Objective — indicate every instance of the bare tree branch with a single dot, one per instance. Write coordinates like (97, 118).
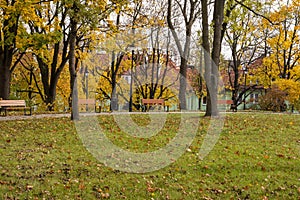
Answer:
(254, 12)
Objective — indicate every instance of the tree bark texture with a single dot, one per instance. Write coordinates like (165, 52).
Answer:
(189, 13)
(72, 69)
(212, 75)
(8, 32)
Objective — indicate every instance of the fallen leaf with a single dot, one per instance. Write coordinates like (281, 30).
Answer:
(280, 155)
(29, 187)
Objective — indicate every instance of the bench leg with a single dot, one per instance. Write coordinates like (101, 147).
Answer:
(30, 112)
(98, 110)
(166, 108)
(233, 108)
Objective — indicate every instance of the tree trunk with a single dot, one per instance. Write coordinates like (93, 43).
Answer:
(49, 88)
(114, 71)
(207, 60)
(212, 108)
(184, 50)
(74, 99)
(73, 73)
(50, 98)
(8, 31)
(182, 90)
(4, 77)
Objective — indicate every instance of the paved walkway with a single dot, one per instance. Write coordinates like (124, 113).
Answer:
(35, 116)
(53, 115)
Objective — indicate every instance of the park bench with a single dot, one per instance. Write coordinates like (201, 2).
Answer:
(152, 102)
(228, 102)
(89, 103)
(7, 105)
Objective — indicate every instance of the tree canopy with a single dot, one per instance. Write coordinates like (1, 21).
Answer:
(38, 39)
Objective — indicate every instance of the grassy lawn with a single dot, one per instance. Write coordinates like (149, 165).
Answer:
(256, 157)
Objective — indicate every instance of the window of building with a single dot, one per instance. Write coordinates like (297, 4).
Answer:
(204, 101)
(254, 98)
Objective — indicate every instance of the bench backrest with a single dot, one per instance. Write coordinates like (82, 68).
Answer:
(153, 101)
(87, 101)
(225, 101)
(16, 103)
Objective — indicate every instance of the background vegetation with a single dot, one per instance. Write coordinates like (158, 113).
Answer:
(45, 44)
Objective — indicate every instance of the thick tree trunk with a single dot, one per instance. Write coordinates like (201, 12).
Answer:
(50, 98)
(8, 31)
(218, 16)
(4, 77)
(49, 88)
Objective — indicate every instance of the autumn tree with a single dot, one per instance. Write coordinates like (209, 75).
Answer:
(51, 38)
(185, 12)
(106, 89)
(117, 57)
(72, 61)
(124, 36)
(13, 15)
(281, 66)
(26, 84)
(155, 76)
(84, 25)
(212, 66)
(46, 34)
(246, 45)
(285, 44)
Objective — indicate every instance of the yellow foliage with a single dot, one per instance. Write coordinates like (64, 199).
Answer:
(292, 89)
(284, 53)
(63, 90)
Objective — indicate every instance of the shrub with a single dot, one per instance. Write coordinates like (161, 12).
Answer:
(273, 100)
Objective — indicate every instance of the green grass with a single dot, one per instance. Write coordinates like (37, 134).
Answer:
(256, 157)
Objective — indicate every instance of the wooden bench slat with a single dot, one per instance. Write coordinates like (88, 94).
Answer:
(89, 102)
(17, 108)
(228, 102)
(14, 105)
(225, 101)
(152, 102)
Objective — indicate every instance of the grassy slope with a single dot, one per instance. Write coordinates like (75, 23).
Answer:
(256, 157)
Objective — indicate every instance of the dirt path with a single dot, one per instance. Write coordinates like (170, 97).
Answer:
(35, 116)
(38, 116)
